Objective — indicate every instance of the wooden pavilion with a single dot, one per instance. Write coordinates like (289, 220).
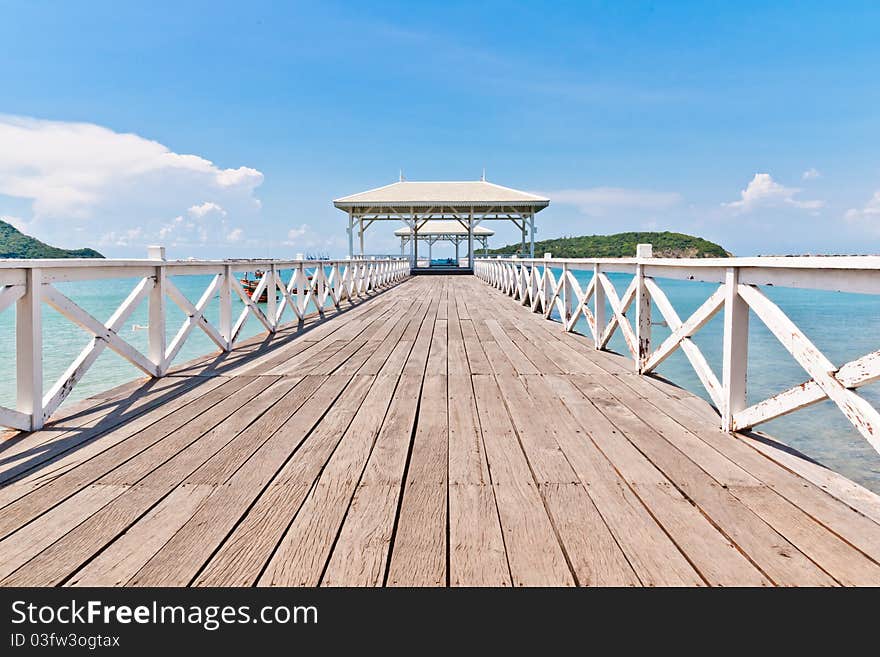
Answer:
(469, 203)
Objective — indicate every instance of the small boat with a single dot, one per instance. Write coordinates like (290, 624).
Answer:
(250, 285)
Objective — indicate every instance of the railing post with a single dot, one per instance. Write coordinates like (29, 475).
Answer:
(598, 305)
(272, 296)
(29, 349)
(566, 297)
(643, 307)
(547, 306)
(736, 349)
(156, 319)
(226, 306)
(533, 286)
(337, 283)
(302, 281)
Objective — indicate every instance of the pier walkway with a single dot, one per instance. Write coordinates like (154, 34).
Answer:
(435, 433)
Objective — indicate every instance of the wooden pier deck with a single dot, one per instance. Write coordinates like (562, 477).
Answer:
(434, 434)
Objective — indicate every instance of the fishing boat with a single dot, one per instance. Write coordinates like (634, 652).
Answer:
(250, 285)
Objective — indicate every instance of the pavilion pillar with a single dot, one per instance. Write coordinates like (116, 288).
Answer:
(532, 235)
(361, 224)
(457, 240)
(430, 250)
(522, 250)
(471, 240)
(350, 236)
(415, 242)
(402, 242)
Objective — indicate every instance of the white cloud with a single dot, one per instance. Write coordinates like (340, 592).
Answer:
(763, 191)
(305, 238)
(206, 208)
(811, 174)
(235, 235)
(123, 238)
(598, 201)
(868, 217)
(83, 178)
(296, 233)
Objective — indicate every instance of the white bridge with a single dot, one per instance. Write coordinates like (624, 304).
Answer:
(389, 429)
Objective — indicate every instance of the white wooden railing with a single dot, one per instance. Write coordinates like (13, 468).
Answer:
(29, 284)
(533, 283)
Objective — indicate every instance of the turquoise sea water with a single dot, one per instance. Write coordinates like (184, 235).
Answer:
(843, 326)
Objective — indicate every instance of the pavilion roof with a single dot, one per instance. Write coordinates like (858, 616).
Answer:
(458, 194)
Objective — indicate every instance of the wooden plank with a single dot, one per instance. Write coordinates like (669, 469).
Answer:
(520, 361)
(30, 506)
(546, 460)
(124, 556)
(533, 551)
(246, 405)
(477, 556)
(275, 479)
(218, 469)
(418, 358)
(661, 476)
(467, 456)
(437, 354)
(304, 549)
(858, 530)
(69, 455)
(418, 556)
(32, 540)
(24, 452)
(477, 361)
(841, 561)
(360, 556)
(656, 560)
(858, 497)
(592, 551)
(54, 564)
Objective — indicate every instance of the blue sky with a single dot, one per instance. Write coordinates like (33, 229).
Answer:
(225, 129)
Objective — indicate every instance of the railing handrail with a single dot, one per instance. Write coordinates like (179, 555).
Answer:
(533, 283)
(45, 263)
(780, 262)
(856, 274)
(28, 284)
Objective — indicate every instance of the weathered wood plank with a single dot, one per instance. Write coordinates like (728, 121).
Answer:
(418, 556)
(302, 553)
(360, 556)
(52, 565)
(30, 506)
(653, 556)
(241, 556)
(533, 551)
(124, 556)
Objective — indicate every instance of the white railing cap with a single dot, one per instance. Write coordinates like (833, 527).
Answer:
(18, 263)
(784, 262)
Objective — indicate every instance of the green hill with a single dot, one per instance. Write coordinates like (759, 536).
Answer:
(15, 244)
(623, 245)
